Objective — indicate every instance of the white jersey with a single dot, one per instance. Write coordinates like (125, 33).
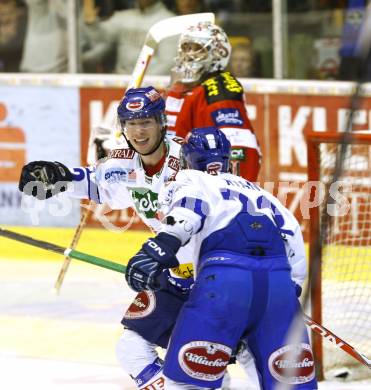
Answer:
(120, 181)
(206, 204)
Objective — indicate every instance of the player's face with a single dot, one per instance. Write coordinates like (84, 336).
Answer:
(144, 134)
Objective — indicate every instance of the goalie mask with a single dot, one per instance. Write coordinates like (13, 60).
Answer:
(141, 103)
(206, 149)
(202, 49)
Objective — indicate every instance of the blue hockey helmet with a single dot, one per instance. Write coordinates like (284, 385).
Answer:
(142, 103)
(206, 149)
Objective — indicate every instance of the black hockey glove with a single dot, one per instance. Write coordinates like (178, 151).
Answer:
(43, 179)
(147, 265)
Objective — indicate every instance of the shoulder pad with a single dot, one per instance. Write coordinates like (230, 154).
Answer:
(223, 86)
(122, 153)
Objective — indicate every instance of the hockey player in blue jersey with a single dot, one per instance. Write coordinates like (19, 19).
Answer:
(242, 237)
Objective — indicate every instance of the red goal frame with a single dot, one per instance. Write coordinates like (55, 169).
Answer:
(314, 139)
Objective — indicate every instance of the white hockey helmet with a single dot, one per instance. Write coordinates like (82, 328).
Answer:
(202, 48)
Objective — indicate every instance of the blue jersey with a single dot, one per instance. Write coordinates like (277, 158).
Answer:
(243, 238)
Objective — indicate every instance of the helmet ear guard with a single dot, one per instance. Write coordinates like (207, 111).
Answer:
(206, 149)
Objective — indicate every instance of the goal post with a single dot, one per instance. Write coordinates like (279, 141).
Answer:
(341, 290)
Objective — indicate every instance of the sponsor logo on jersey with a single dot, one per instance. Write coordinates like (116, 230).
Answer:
(184, 271)
(213, 168)
(227, 117)
(143, 305)
(231, 83)
(204, 360)
(174, 163)
(117, 175)
(122, 153)
(212, 86)
(222, 87)
(168, 196)
(238, 154)
(135, 106)
(292, 364)
(145, 202)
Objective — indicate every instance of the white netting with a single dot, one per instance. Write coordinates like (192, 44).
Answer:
(346, 257)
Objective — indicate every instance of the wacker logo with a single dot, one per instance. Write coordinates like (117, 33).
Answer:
(143, 305)
(204, 360)
(292, 364)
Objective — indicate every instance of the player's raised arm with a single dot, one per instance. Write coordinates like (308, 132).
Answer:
(44, 179)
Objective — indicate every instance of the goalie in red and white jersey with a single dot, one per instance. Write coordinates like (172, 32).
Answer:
(204, 94)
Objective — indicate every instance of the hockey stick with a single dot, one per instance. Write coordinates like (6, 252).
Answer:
(336, 341)
(68, 252)
(163, 29)
(75, 240)
(100, 262)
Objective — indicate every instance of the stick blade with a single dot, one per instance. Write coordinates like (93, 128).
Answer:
(173, 26)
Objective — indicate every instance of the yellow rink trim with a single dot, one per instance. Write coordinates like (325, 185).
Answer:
(346, 263)
(59, 339)
(118, 247)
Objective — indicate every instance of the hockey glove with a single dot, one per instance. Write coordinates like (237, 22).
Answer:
(147, 265)
(47, 178)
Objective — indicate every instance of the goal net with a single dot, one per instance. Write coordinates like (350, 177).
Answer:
(341, 294)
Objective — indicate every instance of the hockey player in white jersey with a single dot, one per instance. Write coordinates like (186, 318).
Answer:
(130, 177)
(243, 237)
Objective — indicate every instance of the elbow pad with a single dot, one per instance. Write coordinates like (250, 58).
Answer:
(180, 227)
